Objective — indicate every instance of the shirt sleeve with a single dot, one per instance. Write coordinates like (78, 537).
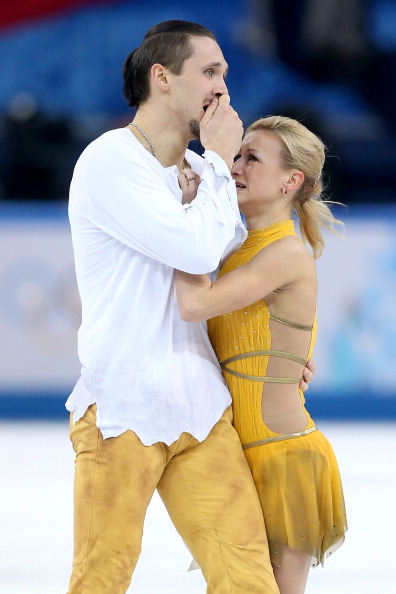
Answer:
(135, 200)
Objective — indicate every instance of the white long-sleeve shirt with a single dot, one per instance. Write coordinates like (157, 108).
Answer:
(144, 367)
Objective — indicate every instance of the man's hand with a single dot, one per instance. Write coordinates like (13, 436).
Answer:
(308, 375)
(221, 130)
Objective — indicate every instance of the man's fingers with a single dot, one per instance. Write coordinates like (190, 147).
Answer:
(311, 366)
(224, 100)
(307, 375)
(210, 110)
(303, 385)
(221, 129)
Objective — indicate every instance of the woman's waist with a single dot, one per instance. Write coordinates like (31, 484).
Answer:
(255, 431)
(269, 411)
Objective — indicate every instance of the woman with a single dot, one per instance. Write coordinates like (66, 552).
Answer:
(270, 287)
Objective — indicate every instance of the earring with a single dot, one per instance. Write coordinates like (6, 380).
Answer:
(284, 190)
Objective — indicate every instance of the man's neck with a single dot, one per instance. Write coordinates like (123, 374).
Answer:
(162, 138)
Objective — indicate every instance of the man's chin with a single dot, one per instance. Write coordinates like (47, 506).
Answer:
(194, 129)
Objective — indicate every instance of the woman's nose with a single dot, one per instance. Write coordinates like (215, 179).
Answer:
(237, 168)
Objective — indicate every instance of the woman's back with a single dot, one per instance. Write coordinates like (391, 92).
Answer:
(263, 347)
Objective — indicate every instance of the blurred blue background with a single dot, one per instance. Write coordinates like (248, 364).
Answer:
(329, 63)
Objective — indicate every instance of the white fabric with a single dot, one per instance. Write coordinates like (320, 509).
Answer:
(144, 367)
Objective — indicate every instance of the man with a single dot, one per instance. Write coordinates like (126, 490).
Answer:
(151, 409)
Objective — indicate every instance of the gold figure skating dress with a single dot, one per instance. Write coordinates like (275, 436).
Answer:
(296, 474)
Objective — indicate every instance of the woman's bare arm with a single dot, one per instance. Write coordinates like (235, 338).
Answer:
(275, 266)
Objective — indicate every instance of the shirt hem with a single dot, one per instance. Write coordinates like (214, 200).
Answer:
(107, 433)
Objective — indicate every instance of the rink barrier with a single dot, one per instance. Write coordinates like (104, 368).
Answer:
(39, 316)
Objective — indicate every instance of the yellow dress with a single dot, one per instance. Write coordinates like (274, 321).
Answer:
(296, 474)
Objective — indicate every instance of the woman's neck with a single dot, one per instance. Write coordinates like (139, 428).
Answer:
(262, 221)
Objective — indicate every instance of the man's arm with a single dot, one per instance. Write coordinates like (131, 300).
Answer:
(131, 201)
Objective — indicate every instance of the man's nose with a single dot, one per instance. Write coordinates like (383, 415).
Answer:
(221, 88)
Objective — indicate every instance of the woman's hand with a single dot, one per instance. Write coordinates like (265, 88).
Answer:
(188, 182)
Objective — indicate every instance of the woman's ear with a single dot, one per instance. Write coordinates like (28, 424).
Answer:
(295, 180)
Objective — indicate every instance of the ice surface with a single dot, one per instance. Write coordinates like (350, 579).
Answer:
(36, 472)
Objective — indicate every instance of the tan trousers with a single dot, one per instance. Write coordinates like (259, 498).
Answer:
(206, 487)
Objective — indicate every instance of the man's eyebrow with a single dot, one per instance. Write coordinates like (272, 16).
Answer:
(216, 65)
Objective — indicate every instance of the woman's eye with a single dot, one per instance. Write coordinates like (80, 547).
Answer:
(252, 158)
(236, 158)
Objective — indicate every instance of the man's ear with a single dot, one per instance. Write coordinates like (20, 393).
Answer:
(159, 77)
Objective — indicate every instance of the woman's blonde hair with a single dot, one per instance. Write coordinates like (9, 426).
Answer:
(303, 150)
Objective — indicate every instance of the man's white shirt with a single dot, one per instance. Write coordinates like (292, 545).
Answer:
(145, 368)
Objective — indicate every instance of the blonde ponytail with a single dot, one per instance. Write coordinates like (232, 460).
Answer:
(313, 214)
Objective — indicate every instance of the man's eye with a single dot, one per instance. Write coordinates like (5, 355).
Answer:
(210, 72)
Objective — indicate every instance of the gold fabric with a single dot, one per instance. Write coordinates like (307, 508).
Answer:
(206, 487)
(295, 471)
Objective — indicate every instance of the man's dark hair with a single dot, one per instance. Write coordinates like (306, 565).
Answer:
(168, 44)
